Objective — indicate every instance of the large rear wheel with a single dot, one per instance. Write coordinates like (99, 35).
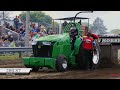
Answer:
(79, 59)
(96, 57)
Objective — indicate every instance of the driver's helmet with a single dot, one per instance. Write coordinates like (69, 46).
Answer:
(73, 29)
(74, 32)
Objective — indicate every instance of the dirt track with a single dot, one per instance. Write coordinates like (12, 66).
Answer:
(103, 73)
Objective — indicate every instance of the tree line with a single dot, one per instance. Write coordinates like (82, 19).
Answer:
(97, 27)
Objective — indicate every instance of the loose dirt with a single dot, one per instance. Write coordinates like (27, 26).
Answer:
(102, 73)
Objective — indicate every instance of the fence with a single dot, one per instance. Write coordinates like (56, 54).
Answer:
(18, 39)
(15, 34)
(17, 49)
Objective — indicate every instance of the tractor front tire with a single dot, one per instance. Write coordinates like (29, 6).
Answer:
(27, 66)
(61, 63)
(35, 68)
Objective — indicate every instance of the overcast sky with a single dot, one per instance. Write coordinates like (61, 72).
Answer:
(111, 18)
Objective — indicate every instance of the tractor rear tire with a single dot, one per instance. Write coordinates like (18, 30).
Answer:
(97, 54)
(82, 63)
(79, 59)
(61, 63)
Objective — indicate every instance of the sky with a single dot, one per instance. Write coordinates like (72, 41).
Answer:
(111, 18)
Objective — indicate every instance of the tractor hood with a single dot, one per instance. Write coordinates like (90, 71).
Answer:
(53, 38)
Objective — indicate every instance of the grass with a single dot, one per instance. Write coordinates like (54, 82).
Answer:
(9, 56)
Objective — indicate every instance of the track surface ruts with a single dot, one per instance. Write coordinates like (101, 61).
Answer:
(103, 73)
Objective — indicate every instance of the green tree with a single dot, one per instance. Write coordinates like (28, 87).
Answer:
(98, 26)
(6, 14)
(86, 24)
(37, 16)
(56, 23)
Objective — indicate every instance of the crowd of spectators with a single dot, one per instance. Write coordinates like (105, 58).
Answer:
(10, 38)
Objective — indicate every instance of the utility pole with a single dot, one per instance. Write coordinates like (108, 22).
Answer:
(27, 29)
(4, 17)
(3, 27)
(60, 27)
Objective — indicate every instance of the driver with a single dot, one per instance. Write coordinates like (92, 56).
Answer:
(73, 34)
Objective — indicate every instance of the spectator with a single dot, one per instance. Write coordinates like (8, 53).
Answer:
(1, 42)
(16, 22)
(20, 22)
(7, 25)
(6, 43)
(0, 30)
(5, 37)
(43, 31)
(9, 33)
(30, 27)
(10, 38)
(34, 29)
(38, 29)
(24, 34)
(12, 44)
(11, 27)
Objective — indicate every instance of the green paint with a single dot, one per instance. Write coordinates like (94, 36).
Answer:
(26, 61)
(62, 47)
(40, 62)
(50, 63)
(72, 59)
(77, 45)
(53, 37)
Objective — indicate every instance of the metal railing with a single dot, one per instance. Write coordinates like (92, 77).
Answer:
(16, 49)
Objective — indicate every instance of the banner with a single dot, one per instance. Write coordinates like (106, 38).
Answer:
(109, 40)
(15, 71)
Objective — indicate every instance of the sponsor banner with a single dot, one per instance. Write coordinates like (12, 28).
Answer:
(15, 71)
(110, 40)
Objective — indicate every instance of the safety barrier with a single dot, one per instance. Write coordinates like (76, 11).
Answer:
(16, 49)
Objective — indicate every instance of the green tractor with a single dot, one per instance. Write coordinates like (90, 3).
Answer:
(61, 51)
